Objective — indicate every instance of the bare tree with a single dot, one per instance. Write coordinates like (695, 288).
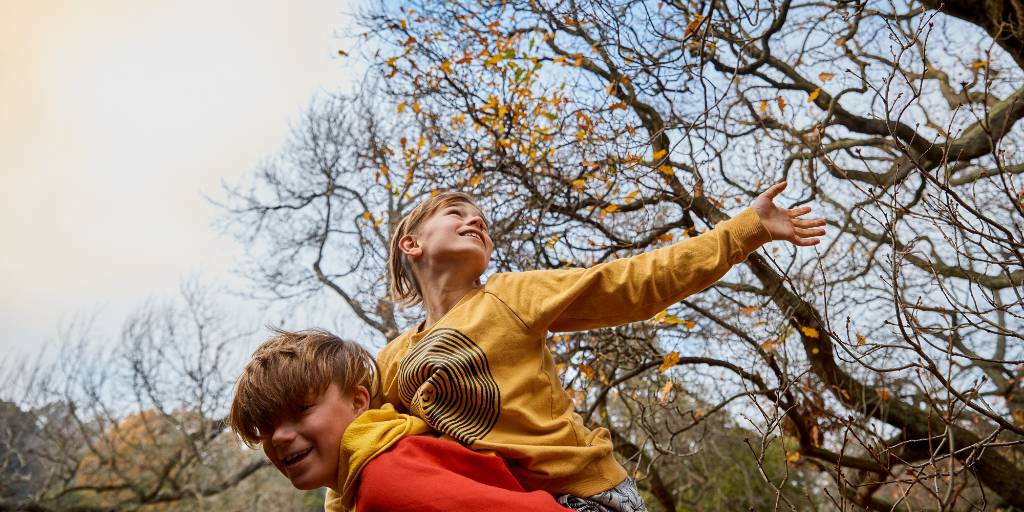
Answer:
(136, 424)
(889, 360)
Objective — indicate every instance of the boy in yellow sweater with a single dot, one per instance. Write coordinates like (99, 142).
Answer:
(477, 368)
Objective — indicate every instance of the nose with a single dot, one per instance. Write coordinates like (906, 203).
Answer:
(477, 221)
(283, 435)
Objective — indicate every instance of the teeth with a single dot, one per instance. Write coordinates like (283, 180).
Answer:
(295, 457)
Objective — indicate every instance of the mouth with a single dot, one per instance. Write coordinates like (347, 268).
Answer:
(294, 458)
(474, 234)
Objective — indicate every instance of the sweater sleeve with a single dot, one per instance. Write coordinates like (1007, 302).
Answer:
(630, 289)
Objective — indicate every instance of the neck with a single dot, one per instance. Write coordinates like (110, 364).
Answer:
(440, 294)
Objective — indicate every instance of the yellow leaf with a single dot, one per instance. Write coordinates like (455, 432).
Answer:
(660, 316)
(664, 391)
(384, 170)
(825, 76)
(416, 107)
(670, 360)
(810, 332)
(434, 192)
(579, 185)
(554, 240)
(660, 154)
(587, 370)
(458, 118)
(665, 237)
(749, 310)
(781, 102)
(631, 196)
(764, 106)
(475, 180)
(978, 64)
(813, 95)
(792, 456)
(446, 67)
(401, 107)
(841, 41)
(367, 216)
(611, 208)
(667, 170)
(861, 339)
(1018, 417)
(770, 345)
(617, 106)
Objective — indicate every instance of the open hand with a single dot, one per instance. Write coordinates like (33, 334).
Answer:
(785, 223)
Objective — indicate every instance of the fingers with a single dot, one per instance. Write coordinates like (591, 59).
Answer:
(808, 223)
(809, 233)
(796, 212)
(806, 242)
(774, 190)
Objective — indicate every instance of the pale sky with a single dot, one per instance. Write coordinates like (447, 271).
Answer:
(116, 116)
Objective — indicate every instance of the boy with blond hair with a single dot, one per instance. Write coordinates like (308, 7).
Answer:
(477, 368)
(306, 397)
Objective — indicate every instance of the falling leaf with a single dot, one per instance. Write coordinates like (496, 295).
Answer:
(749, 310)
(792, 456)
(810, 332)
(667, 170)
(617, 106)
(611, 208)
(670, 360)
(764, 106)
(554, 240)
(631, 196)
(658, 155)
(367, 216)
(446, 67)
(978, 64)
(579, 185)
(664, 391)
(781, 102)
(401, 107)
(861, 339)
(841, 41)
(770, 345)
(813, 95)
(825, 76)
(416, 107)
(475, 180)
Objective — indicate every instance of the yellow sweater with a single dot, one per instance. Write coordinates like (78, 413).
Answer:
(484, 376)
(369, 435)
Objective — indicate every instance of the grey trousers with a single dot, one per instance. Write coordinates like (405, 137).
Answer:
(622, 498)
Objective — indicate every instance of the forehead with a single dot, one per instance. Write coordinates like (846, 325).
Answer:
(461, 204)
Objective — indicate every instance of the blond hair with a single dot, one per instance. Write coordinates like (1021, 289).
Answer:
(403, 286)
(289, 368)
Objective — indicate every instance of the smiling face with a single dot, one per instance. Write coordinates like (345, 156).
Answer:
(305, 448)
(454, 235)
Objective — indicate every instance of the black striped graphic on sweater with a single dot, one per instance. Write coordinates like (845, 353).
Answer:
(445, 379)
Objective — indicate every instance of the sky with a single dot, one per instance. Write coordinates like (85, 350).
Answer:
(118, 118)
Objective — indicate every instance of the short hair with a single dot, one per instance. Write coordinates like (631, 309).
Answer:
(403, 286)
(289, 367)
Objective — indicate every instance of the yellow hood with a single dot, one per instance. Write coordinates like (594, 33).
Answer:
(369, 435)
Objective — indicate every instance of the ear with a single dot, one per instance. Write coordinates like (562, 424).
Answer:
(360, 399)
(410, 247)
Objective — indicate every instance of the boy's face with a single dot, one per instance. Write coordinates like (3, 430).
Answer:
(305, 448)
(456, 234)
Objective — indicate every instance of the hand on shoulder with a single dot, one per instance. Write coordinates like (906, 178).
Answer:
(787, 223)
